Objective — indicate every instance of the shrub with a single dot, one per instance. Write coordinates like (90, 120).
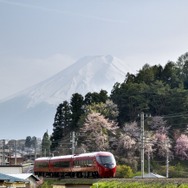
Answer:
(177, 171)
(124, 171)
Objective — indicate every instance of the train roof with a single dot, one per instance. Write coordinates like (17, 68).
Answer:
(42, 159)
(63, 157)
(92, 154)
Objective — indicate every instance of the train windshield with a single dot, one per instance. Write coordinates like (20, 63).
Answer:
(107, 161)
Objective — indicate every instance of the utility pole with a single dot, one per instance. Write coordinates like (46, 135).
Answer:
(35, 149)
(167, 158)
(73, 142)
(15, 157)
(148, 162)
(142, 143)
(3, 157)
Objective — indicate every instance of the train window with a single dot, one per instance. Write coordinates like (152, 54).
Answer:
(89, 163)
(76, 163)
(106, 160)
(83, 163)
(42, 164)
(63, 164)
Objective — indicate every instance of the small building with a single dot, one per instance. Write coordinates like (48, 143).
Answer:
(7, 169)
(33, 180)
(10, 181)
(3, 158)
(15, 160)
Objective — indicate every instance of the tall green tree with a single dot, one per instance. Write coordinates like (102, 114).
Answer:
(28, 142)
(176, 108)
(95, 97)
(77, 103)
(103, 96)
(34, 142)
(170, 75)
(146, 74)
(46, 144)
(158, 97)
(130, 78)
(62, 124)
(131, 99)
(182, 63)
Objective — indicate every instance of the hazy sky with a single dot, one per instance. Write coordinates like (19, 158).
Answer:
(39, 38)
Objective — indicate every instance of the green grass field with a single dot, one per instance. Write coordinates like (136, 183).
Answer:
(122, 183)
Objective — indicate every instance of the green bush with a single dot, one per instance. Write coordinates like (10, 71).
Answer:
(177, 171)
(45, 185)
(115, 184)
(183, 186)
(124, 171)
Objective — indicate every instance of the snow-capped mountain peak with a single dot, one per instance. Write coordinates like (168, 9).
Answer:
(32, 111)
(88, 74)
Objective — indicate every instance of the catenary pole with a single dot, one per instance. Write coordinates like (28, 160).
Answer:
(73, 142)
(148, 162)
(15, 158)
(142, 144)
(3, 157)
(167, 158)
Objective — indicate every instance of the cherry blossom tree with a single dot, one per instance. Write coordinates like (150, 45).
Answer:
(128, 145)
(161, 140)
(129, 139)
(181, 147)
(162, 144)
(132, 129)
(149, 143)
(159, 124)
(108, 109)
(97, 132)
(149, 147)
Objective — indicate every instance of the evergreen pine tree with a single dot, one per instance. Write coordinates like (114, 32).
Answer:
(46, 144)
(28, 142)
(61, 124)
(34, 142)
(77, 103)
(95, 97)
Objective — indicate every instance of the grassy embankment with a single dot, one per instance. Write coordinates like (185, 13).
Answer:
(123, 183)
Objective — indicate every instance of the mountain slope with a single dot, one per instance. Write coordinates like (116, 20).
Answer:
(32, 111)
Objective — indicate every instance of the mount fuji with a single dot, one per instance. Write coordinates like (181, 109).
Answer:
(31, 112)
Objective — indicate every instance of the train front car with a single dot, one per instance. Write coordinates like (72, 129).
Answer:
(106, 164)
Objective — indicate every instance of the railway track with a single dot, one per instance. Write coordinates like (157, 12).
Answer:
(123, 180)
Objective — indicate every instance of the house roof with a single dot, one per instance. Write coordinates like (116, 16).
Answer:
(11, 179)
(25, 176)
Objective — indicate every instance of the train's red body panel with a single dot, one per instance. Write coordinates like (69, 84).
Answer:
(96, 164)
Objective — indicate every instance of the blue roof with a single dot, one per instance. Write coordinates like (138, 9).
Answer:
(10, 179)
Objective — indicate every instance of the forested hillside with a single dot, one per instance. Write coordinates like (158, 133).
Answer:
(103, 121)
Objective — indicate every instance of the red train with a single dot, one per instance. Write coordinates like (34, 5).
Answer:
(96, 164)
